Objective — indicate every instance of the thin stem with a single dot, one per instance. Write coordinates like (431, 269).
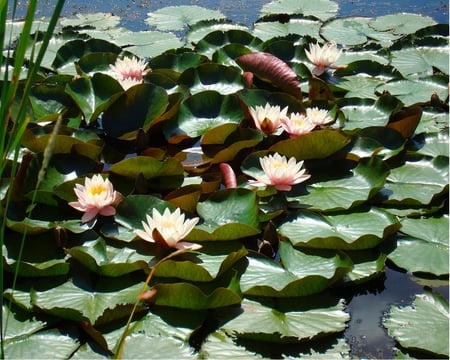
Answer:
(121, 344)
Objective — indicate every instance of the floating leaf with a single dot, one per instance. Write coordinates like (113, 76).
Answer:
(339, 194)
(304, 273)
(426, 247)
(227, 214)
(410, 325)
(261, 322)
(145, 101)
(322, 9)
(202, 112)
(107, 260)
(223, 79)
(417, 182)
(43, 344)
(177, 17)
(188, 296)
(354, 31)
(401, 24)
(94, 95)
(267, 29)
(355, 231)
(315, 145)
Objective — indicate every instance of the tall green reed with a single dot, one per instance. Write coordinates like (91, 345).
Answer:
(14, 109)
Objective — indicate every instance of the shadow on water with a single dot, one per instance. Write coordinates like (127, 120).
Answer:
(369, 302)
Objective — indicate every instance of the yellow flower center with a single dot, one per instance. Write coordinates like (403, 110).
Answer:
(97, 189)
(279, 164)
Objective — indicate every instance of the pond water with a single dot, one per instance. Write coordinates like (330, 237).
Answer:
(134, 12)
(365, 334)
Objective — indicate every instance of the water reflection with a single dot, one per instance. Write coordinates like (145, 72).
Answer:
(368, 303)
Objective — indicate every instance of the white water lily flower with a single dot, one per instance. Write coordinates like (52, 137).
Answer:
(97, 196)
(323, 57)
(280, 172)
(168, 229)
(268, 118)
(297, 124)
(318, 117)
(129, 71)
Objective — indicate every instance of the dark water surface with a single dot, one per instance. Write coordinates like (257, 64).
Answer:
(134, 12)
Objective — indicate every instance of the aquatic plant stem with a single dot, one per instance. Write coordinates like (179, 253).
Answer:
(121, 344)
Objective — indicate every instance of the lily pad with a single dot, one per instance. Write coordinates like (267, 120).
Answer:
(353, 231)
(410, 325)
(321, 9)
(145, 101)
(264, 323)
(331, 195)
(417, 182)
(223, 79)
(178, 17)
(304, 273)
(425, 248)
(202, 112)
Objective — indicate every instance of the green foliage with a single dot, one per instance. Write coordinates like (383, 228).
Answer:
(273, 265)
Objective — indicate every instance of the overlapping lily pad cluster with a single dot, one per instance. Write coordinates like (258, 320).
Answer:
(162, 142)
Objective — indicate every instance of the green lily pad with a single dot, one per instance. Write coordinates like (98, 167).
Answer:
(223, 79)
(48, 101)
(147, 43)
(218, 39)
(107, 260)
(73, 50)
(201, 266)
(227, 215)
(401, 24)
(267, 30)
(304, 273)
(344, 193)
(188, 296)
(100, 21)
(421, 326)
(425, 247)
(145, 101)
(94, 95)
(199, 30)
(417, 182)
(39, 257)
(321, 9)
(202, 112)
(353, 231)
(317, 144)
(178, 61)
(412, 91)
(264, 323)
(223, 143)
(43, 344)
(178, 17)
(367, 265)
(354, 31)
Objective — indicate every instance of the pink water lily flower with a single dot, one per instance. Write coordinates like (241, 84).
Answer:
(168, 229)
(280, 172)
(129, 71)
(318, 117)
(268, 118)
(97, 196)
(297, 124)
(323, 57)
